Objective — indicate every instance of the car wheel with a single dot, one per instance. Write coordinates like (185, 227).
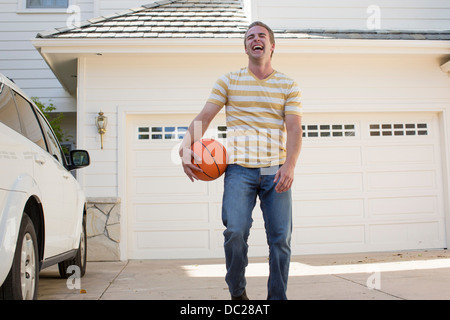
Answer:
(80, 258)
(22, 280)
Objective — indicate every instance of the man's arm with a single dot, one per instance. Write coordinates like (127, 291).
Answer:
(195, 132)
(285, 175)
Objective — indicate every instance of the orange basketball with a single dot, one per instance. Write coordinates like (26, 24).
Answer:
(214, 159)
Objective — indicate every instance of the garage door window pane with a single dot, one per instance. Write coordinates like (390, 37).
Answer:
(398, 129)
(329, 130)
(143, 133)
(222, 132)
(171, 132)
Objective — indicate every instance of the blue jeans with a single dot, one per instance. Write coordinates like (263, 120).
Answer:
(242, 186)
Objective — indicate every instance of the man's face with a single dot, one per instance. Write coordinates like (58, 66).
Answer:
(257, 43)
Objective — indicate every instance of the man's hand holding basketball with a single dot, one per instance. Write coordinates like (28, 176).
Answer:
(195, 132)
(186, 155)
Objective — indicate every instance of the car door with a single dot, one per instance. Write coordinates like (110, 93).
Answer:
(71, 213)
(49, 176)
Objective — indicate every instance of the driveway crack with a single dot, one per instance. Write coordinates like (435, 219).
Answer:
(114, 279)
(365, 286)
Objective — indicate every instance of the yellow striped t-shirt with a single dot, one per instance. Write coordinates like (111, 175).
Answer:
(255, 111)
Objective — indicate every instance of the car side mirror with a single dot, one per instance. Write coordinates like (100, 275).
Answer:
(78, 159)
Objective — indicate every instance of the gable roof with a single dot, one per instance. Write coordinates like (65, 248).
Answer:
(207, 19)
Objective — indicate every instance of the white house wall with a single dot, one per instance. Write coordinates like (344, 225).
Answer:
(170, 84)
(107, 7)
(377, 82)
(352, 14)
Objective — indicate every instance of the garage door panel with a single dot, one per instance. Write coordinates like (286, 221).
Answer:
(345, 155)
(406, 235)
(171, 213)
(336, 182)
(405, 180)
(334, 234)
(167, 186)
(328, 208)
(173, 239)
(400, 154)
(402, 207)
(163, 244)
(154, 159)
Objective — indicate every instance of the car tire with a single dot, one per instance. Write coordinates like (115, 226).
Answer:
(23, 278)
(80, 258)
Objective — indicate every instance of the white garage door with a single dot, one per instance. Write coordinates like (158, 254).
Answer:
(364, 182)
(168, 215)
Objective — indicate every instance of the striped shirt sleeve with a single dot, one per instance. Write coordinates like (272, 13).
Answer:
(293, 103)
(219, 92)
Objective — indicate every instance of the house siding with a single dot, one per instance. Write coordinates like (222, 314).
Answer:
(181, 84)
(107, 7)
(352, 14)
(19, 59)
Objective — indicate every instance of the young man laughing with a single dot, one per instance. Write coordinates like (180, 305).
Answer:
(263, 114)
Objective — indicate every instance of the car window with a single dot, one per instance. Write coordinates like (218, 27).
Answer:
(53, 145)
(31, 128)
(8, 111)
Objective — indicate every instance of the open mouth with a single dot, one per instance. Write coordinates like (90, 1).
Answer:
(258, 48)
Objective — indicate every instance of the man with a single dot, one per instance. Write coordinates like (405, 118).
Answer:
(262, 108)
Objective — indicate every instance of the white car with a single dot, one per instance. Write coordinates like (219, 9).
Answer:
(42, 207)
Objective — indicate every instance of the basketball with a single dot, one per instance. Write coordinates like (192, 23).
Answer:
(214, 159)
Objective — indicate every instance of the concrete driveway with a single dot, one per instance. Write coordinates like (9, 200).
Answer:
(367, 276)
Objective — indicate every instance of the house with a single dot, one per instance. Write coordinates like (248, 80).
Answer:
(373, 174)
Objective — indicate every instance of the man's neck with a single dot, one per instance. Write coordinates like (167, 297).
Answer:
(261, 71)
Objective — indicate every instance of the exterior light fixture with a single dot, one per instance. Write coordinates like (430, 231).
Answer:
(101, 122)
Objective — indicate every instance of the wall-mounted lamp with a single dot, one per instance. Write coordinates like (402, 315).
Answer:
(101, 122)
